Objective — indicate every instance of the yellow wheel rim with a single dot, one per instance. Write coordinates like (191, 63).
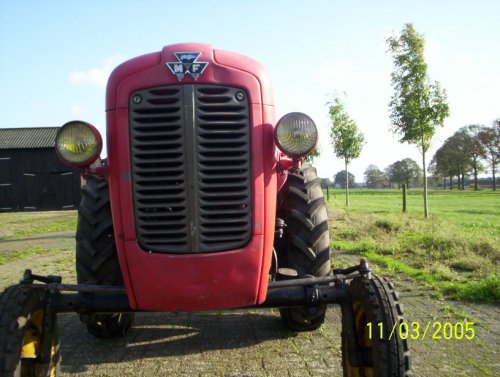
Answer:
(31, 347)
(32, 336)
(360, 322)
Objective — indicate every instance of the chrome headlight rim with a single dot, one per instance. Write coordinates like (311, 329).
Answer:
(306, 150)
(97, 149)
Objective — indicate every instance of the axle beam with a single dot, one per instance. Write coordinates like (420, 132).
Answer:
(301, 292)
(100, 301)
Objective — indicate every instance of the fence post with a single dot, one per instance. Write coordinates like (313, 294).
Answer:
(404, 197)
(327, 193)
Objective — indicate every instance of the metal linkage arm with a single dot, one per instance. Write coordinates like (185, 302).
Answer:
(305, 296)
(90, 302)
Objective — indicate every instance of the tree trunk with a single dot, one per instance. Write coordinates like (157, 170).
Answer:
(346, 185)
(444, 183)
(494, 181)
(426, 207)
(463, 181)
(475, 178)
(451, 182)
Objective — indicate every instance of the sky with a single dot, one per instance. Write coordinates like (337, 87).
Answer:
(56, 56)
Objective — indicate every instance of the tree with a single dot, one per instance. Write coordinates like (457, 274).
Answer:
(458, 156)
(472, 148)
(390, 175)
(346, 139)
(404, 171)
(312, 156)
(489, 137)
(374, 177)
(325, 183)
(417, 106)
(339, 179)
(449, 161)
(453, 159)
(437, 169)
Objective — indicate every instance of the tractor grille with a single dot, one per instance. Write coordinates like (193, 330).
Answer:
(190, 154)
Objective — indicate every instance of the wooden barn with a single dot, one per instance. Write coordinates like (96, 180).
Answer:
(32, 178)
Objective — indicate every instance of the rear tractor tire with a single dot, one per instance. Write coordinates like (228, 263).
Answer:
(23, 330)
(96, 256)
(306, 246)
(376, 312)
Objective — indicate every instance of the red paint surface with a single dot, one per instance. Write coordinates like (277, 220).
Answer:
(234, 278)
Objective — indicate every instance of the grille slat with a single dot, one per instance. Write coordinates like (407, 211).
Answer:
(213, 122)
(152, 224)
(153, 132)
(215, 186)
(157, 119)
(166, 157)
(191, 172)
(152, 181)
(147, 231)
(212, 135)
(145, 167)
(158, 184)
(167, 141)
(222, 202)
(215, 148)
(155, 209)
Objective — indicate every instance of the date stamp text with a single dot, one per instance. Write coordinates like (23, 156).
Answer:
(417, 331)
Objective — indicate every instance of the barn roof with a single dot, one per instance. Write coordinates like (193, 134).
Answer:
(28, 138)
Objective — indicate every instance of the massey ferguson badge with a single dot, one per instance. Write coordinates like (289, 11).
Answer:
(187, 64)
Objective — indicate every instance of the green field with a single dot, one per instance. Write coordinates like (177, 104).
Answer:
(456, 250)
(19, 225)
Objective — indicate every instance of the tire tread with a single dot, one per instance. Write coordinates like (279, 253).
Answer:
(17, 303)
(391, 357)
(308, 240)
(96, 255)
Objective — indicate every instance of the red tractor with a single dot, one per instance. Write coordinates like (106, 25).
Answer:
(204, 202)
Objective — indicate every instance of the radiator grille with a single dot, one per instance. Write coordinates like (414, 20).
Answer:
(190, 148)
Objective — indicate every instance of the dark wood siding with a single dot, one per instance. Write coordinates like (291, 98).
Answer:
(35, 180)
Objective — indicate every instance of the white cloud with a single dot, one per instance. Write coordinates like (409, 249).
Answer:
(97, 76)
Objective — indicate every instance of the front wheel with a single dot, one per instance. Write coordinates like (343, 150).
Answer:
(96, 256)
(307, 240)
(24, 331)
(376, 312)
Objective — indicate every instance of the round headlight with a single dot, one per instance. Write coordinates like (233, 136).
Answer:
(78, 143)
(296, 134)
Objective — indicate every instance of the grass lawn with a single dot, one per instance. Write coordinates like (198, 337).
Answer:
(456, 250)
(26, 235)
(19, 225)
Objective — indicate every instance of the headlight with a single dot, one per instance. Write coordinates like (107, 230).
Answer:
(78, 143)
(296, 134)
